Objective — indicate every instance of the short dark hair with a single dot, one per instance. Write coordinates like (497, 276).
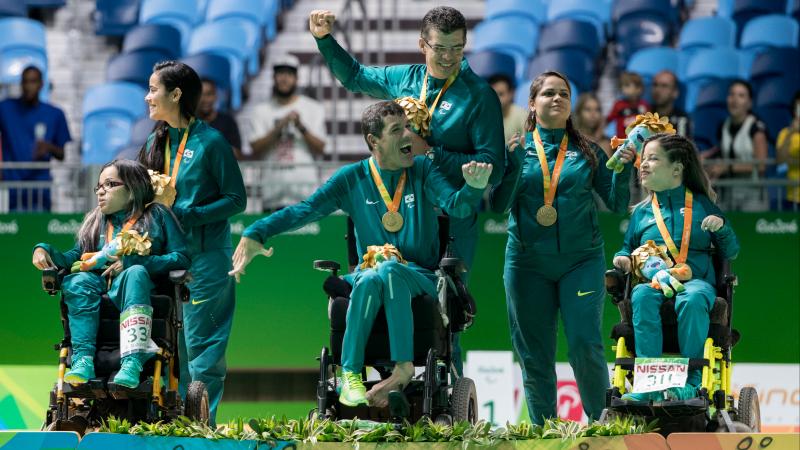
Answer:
(501, 77)
(680, 149)
(32, 68)
(744, 83)
(209, 81)
(372, 118)
(443, 19)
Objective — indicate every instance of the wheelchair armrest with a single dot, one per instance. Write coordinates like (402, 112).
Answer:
(51, 279)
(452, 265)
(327, 266)
(617, 284)
(182, 276)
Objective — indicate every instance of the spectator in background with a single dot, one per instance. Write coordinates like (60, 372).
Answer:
(589, 121)
(788, 152)
(742, 140)
(630, 105)
(31, 130)
(290, 133)
(513, 116)
(664, 91)
(221, 121)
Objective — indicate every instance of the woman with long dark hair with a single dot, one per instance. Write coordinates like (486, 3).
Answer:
(124, 197)
(679, 213)
(209, 190)
(554, 255)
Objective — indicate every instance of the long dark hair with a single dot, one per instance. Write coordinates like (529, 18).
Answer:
(172, 74)
(575, 136)
(679, 149)
(136, 179)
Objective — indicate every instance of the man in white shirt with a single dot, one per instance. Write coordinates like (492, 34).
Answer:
(289, 132)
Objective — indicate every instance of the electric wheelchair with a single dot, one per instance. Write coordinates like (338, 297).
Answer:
(77, 408)
(438, 393)
(714, 409)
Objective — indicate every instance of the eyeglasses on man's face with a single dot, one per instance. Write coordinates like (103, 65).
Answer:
(441, 49)
(107, 186)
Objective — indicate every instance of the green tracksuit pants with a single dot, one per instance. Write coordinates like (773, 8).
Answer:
(537, 288)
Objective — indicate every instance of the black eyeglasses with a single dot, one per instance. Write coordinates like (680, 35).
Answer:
(107, 185)
(441, 49)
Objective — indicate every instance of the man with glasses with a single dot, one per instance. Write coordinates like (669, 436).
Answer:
(664, 92)
(466, 121)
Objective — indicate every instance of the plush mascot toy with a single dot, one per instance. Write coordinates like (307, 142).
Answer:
(127, 242)
(643, 127)
(377, 254)
(652, 263)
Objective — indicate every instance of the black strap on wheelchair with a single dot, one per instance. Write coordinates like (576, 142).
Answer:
(353, 258)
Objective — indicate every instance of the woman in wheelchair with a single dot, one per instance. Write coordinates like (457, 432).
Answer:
(679, 213)
(125, 203)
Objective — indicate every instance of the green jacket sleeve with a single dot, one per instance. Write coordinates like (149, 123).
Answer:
(724, 239)
(325, 200)
(457, 203)
(233, 198)
(486, 134)
(503, 195)
(175, 255)
(612, 187)
(378, 82)
(61, 260)
(631, 240)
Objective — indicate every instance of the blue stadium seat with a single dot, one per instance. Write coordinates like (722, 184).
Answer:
(182, 14)
(45, 3)
(569, 33)
(134, 67)
(115, 17)
(22, 44)
(109, 112)
(745, 10)
(534, 10)
(773, 30)
(725, 8)
(574, 64)
(253, 15)
(775, 63)
(709, 64)
(705, 123)
(141, 130)
(635, 33)
(224, 39)
(793, 9)
(713, 94)
(707, 32)
(651, 9)
(596, 12)
(512, 35)
(649, 61)
(13, 8)
(154, 36)
(488, 63)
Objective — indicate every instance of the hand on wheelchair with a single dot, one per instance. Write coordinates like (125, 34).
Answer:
(245, 252)
(42, 259)
(622, 263)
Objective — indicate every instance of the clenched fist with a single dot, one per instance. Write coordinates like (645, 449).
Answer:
(320, 22)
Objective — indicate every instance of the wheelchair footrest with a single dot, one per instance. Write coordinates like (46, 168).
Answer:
(144, 390)
(667, 408)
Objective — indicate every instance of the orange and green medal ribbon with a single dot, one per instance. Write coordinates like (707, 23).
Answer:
(392, 220)
(423, 94)
(178, 155)
(678, 256)
(547, 214)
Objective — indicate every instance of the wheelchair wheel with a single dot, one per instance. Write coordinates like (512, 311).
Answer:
(197, 402)
(464, 401)
(738, 427)
(749, 409)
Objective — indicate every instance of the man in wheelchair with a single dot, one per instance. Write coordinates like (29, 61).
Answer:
(668, 246)
(397, 234)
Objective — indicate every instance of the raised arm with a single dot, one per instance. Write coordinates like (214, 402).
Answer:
(462, 202)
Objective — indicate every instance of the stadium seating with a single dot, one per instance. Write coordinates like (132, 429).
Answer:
(45, 3)
(569, 33)
(22, 44)
(109, 112)
(154, 36)
(13, 8)
(649, 61)
(134, 67)
(141, 130)
(776, 63)
(745, 10)
(705, 32)
(596, 12)
(252, 15)
(182, 14)
(774, 30)
(115, 17)
(709, 64)
(224, 39)
(793, 9)
(488, 63)
(574, 64)
(773, 104)
(216, 68)
(513, 35)
(533, 10)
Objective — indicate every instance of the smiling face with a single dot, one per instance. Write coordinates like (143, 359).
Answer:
(551, 103)
(162, 104)
(392, 150)
(739, 101)
(443, 52)
(112, 194)
(657, 172)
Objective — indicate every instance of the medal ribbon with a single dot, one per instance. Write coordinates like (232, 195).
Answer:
(178, 156)
(423, 94)
(127, 226)
(679, 257)
(392, 204)
(550, 185)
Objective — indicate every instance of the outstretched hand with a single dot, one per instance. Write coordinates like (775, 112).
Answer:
(245, 252)
(42, 259)
(320, 22)
(477, 174)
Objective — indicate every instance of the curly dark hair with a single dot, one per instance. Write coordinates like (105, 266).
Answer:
(443, 19)
(372, 118)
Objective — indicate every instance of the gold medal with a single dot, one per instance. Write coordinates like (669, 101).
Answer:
(392, 221)
(546, 215)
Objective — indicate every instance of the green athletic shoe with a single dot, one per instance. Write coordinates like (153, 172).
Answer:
(81, 371)
(353, 391)
(656, 396)
(687, 392)
(129, 371)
